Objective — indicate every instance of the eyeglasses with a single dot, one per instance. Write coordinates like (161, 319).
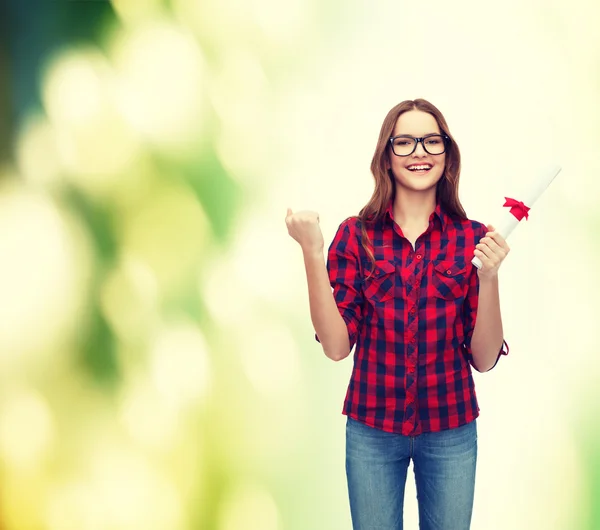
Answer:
(404, 145)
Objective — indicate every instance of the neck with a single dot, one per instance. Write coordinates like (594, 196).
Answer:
(413, 208)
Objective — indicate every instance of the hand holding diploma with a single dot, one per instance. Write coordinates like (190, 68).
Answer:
(491, 251)
(515, 209)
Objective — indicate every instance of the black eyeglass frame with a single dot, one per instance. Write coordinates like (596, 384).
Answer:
(444, 138)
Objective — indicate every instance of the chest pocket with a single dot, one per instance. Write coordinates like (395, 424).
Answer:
(449, 279)
(379, 285)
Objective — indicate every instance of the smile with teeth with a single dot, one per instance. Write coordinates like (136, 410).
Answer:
(419, 167)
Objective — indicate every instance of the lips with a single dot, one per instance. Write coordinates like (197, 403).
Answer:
(419, 167)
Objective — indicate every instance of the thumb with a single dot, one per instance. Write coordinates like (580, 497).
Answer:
(289, 212)
(490, 228)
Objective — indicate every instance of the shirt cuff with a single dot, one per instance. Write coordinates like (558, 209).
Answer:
(504, 349)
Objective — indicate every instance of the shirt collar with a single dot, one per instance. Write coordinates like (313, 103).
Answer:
(438, 212)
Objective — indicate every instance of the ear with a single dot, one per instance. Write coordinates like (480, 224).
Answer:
(386, 163)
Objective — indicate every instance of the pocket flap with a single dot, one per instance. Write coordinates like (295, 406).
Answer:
(380, 268)
(384, 267)
(450, 267)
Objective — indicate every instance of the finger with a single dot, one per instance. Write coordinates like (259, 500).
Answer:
(482, 257)
(485, 251)
(499, 245)
(491, 229)
(491, 244)
(289, 212)
(497, 238)
(487, 263)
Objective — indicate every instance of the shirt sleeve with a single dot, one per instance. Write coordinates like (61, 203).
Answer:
(470, 315)
(345, 277)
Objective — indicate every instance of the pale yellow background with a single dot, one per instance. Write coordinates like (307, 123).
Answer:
(226, 414)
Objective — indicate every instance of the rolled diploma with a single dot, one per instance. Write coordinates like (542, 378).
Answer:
(508, 221)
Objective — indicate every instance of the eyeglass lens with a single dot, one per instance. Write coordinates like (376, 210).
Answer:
(404, 146)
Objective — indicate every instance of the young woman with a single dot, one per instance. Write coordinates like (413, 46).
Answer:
(420, 314)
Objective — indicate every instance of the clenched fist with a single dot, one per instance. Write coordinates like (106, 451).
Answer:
(304, 228)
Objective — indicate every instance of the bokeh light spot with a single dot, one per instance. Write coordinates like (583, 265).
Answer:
(147, 416)
(180, 367)
(270, 358)
(129, 299)
(43, 269)
(26, 429)
(161, 84)
(37, 152)
(168, 230)
(249, 507)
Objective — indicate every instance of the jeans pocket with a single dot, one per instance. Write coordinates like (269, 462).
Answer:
(359, 430)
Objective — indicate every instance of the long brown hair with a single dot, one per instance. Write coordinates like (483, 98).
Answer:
(447, 186)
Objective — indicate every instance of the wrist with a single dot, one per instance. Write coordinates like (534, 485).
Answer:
(312, 253)
(488, 280)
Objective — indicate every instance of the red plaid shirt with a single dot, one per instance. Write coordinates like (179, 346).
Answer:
(411, 320)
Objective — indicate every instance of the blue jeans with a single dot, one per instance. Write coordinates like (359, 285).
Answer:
(444, 465)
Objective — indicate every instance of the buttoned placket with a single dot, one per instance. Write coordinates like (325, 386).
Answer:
(411, 344)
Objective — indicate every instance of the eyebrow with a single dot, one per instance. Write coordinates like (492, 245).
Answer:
(410, 136)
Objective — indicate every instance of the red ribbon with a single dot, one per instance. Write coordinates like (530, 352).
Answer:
(517, 208)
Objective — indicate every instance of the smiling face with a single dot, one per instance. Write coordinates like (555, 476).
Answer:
(419, 171)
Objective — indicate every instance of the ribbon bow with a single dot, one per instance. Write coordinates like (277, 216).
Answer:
(517, 208)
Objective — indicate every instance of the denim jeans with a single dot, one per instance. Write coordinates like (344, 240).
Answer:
(444, 465)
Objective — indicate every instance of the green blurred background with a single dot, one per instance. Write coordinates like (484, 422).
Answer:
(157, 365)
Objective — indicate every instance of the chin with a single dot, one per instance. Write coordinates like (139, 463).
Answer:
(417, 185)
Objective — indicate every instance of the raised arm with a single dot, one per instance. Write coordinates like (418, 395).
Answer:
(334, 314)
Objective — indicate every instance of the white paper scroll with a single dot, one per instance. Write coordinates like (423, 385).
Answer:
(507, 222)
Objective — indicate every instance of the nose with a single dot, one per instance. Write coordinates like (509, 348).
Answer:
(420, 149)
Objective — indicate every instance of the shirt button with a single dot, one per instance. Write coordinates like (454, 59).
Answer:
(448, 271)
(419, 256)
(413, 340)
(413, 310)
